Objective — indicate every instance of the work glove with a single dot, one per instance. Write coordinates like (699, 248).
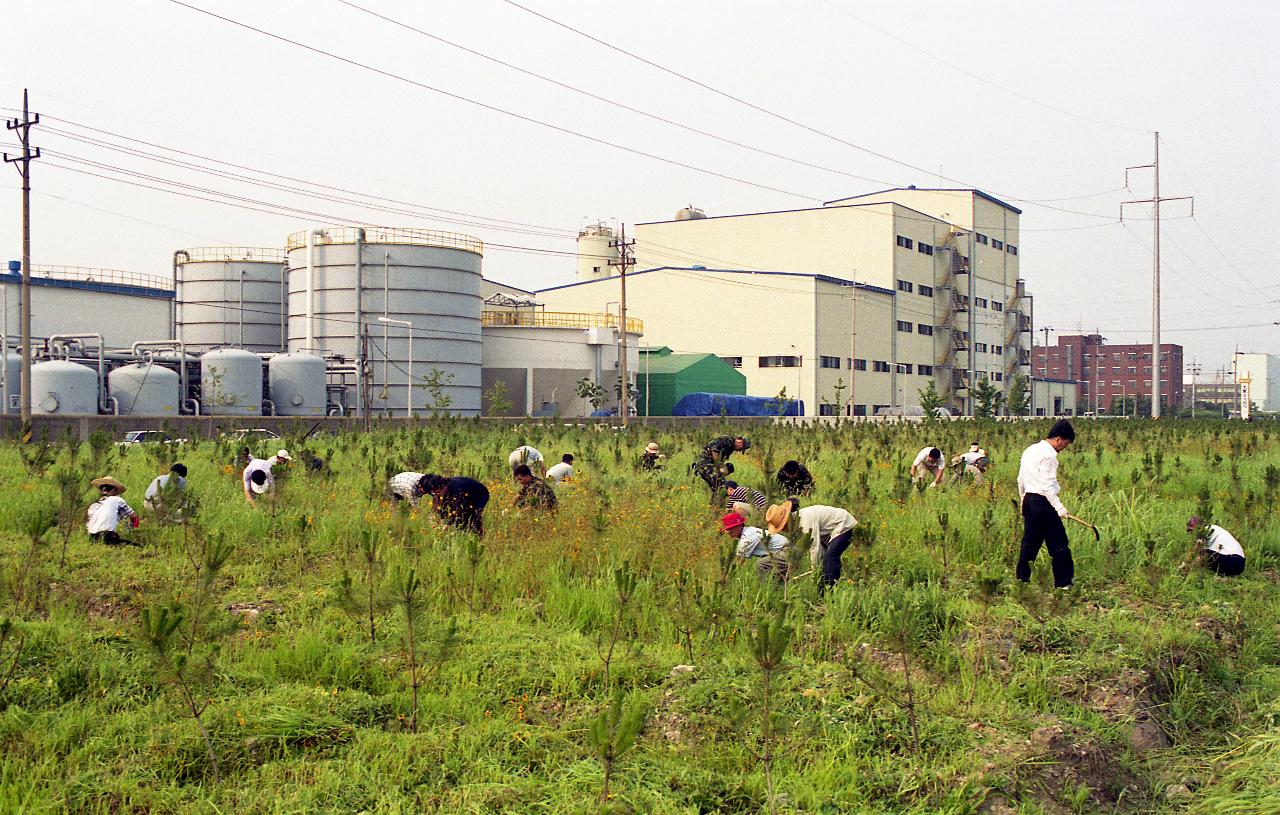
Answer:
(134, 521)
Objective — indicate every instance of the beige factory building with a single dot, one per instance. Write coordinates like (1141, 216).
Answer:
(898, 287)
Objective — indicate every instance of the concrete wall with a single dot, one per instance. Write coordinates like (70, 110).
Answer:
(59, 307)
(543, 364)
(1264, 370)
(1052, 397)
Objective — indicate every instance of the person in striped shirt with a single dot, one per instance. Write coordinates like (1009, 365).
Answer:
(738, 494)
(407, 487)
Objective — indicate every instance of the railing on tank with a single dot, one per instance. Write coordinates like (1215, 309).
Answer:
(223, 254)
(108, 276)
(557, 319)
(390, 235)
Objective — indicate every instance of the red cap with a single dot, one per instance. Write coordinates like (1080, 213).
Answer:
(731, 521)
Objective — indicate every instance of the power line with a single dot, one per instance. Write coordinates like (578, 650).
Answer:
(492, 108)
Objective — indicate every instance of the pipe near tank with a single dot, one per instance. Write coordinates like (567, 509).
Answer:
(268, 407)
(66, 340)
(359, 329)
(136, 350)
(311, 286)
(178, 293)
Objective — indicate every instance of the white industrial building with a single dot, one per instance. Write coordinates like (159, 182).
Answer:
(122, 306)
(884, 292)
(1260, 373)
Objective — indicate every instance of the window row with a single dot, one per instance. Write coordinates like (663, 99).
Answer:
(996, 243)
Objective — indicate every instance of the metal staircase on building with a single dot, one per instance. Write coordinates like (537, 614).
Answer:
(1019, 323)
(952, 358)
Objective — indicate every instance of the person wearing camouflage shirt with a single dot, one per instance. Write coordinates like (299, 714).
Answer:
(534, 492)
(710, 465)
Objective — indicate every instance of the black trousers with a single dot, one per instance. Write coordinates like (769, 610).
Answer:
(1225, 565)
(831, 557)
(1041, 526)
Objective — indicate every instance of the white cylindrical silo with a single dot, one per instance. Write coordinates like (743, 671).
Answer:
(231, 383)
(64, 388)
(230, 296)
(594, 252)
(297, 384)
(426, 278)
(13, 377)
(145, 389)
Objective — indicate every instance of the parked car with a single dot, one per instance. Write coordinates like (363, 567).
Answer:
(250, 434)
(148, 437)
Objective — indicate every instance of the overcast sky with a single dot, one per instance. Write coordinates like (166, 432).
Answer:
(1032, 101)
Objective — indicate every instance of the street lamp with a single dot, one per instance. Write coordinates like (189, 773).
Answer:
(409, 328)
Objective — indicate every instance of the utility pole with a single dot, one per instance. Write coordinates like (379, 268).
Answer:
(22, 127)
(1155, 201)
(626, 259)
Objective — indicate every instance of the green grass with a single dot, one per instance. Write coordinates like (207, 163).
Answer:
(1026, 702)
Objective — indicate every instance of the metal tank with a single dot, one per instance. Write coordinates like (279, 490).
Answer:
(342, 280)
(145, 389)
(297, 384)
(594, 252)
(13, 378)
(229, 296)
(231, 383)
(63, 388)
(690, 213)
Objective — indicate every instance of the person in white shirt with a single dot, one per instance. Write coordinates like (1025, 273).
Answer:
(562, 470)
(1042, 510)
(974, 462)
(929, 463)
(175, 480)
(257, 475)
(407, 487)
(1217, 548)
(752, 542)
(831, 530)
(108, 511)
(528, 456)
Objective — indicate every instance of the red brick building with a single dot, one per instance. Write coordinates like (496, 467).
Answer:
(1107, 373)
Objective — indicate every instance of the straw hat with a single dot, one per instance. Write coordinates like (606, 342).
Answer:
(776, 517)
(651, 447)
(108, 481)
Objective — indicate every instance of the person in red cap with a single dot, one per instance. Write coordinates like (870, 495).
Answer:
(754, 543)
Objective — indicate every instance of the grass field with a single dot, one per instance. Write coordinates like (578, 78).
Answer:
(242, 663)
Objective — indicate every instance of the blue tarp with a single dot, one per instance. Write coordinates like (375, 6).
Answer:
(728, 404)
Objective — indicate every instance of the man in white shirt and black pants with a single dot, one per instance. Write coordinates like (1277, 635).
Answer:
(1042, 510)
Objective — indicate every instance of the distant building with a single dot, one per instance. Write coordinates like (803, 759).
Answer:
(1109, 375)
(125, 307)
(1218, 396)
(1262, 372)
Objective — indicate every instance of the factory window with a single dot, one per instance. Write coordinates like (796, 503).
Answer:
(924, 249)
(996, 305)
(859, 410)
(995, 244)
(734, 361)
(904, 367)
(999, 376)
(924, 290)
(780, 362)
(881, 367)
(903, 325)
(982, 238)
(859, 364)
(1011, 249)
(980, 347)
(829, 362)
(926, 330)
(905, 242)
(877, 408)
(826, 410)
(924, 370)
(904, 286)
(997, 349)
(980, 302)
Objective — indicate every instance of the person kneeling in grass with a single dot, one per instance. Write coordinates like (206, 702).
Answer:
(1216, 548)
(753, 543)
(535, 493)
(108, 511)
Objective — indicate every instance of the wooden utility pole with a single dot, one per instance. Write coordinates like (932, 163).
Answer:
(626, 260)
(1154, 201)
(22, 128)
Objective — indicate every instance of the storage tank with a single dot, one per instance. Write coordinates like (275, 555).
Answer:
(13, 375)
(594, 252)
(297, 384)
(64, 388)
(231, 383)
(230, 296)
(427, 278)
(145, 389)
(690, 213)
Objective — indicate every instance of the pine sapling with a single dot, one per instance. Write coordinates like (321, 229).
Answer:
(10, 638)
(69, 481)
(768, 646)
(613, 733)
(363, 602)
(160, 627)
(624, 587)
(426, 654)
(36, 525)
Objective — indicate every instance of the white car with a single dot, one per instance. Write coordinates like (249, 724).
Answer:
(250, 434)
(148, 437)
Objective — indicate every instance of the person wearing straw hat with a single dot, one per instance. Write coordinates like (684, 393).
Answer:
(258, 477)
(108, 511)
(975, 463)
(831, 531)
(652, 458)
(752, 542)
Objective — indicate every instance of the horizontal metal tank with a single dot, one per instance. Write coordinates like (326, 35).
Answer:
(296, 383)
(63, 388)
(231, 383)
(13, 377)
(229, 296)
(145, 389)
(427, 278)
